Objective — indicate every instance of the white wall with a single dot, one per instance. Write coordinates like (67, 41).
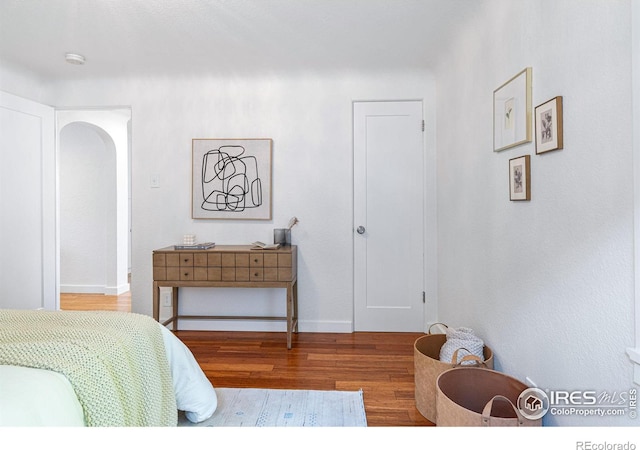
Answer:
(87, 206)
(22, 83)
(634, 353)
(308, 116)
(547, 283)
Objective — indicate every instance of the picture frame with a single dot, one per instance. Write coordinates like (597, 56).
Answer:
(520, 178)
(231, 179)
(548, 118)
(512, 112)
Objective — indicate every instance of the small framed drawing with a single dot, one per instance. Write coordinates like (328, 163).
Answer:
(512, 112)
(520, 178)
(549, 125)
(231, 179)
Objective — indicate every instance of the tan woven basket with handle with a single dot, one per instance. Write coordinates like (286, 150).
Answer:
(427, 368)
(468, 397)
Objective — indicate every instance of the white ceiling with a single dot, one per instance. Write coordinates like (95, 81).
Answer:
(125, 37)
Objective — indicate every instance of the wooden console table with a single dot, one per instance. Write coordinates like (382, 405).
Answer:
(227, 266)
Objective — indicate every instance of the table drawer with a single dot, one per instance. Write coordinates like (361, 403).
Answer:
(270, 259)
(270, 274)
(186, 274)
(173, 273)
(228, 274)
(172, 259)
(200, 274)
(256, 260)
(214, 273)
(284, 259)
(256, 273)
(159, 273)
(200, 260)
(242, 274)
(159, 260)
(284, 273)
(214, 260)
(186, 259)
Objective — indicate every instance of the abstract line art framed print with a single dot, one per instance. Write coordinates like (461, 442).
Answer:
(231, 179)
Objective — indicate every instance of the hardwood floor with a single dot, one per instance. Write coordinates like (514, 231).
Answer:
(381, 364)
(93, 302)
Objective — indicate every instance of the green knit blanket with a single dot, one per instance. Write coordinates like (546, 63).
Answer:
(115, 361)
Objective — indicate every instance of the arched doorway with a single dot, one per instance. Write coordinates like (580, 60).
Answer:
(94, 201)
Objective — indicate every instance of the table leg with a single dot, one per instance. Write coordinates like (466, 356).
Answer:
(174, 303)
(295, 306)
(289, 314)
(156, 301)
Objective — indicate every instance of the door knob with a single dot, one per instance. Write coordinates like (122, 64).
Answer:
(360, 229)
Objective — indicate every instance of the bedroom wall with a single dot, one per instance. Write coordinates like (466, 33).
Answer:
(547, 283)
(87, 206)
(22, 83)
(308, 116)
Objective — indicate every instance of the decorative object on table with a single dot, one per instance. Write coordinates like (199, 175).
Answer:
(189, 239)
(427, 368)
(257, 245)
(283, 235)
(549, 125)
(201, 246)
(512, 112)
(231, 179)
(520, 178)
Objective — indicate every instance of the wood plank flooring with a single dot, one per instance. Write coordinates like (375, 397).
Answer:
(381, 364)
(95, 302)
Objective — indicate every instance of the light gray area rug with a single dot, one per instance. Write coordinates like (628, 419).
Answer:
(285, 408)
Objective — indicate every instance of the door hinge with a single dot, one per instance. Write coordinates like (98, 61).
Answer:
(424, 297)
(423, 125)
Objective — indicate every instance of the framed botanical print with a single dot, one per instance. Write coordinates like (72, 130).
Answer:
(549, 126)
(520, 178)
(512, 112)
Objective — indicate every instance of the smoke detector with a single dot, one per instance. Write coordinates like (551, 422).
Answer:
(74, 58)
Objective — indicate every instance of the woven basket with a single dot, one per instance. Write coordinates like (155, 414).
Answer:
(469, 397)
(427, 368)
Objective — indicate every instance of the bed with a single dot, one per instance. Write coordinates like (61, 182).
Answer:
(99, 368)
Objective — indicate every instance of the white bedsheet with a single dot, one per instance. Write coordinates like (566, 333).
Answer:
(36, 397)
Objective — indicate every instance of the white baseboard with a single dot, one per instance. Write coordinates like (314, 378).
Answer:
(117, 290)
(91, 289)
(81, 289)
(263, 326)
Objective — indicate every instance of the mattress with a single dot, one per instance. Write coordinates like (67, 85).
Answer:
(37, 397)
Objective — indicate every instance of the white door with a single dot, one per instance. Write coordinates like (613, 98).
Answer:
(388, 216)
(28, 258)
